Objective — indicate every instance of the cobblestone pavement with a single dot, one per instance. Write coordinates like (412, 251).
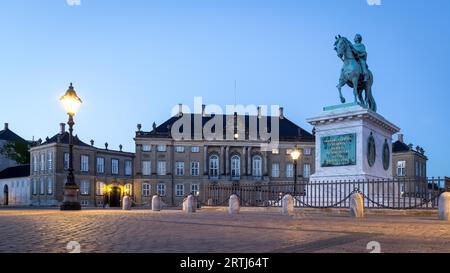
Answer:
(46, 230)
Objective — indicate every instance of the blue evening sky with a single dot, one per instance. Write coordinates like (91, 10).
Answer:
(132, 61)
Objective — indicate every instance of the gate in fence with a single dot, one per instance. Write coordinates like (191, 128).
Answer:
(389, 194)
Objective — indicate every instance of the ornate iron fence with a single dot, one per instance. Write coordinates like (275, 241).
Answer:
(418, 193)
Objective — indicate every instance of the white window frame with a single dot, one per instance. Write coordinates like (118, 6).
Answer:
(306, 170)
(179, 168)
(34, 190)
(179, 149)
(161, 189)
(195, 189)
(50, 161)
(128, 167)
(289, 170)
(257, 166)
(179, 190)
(195, 149)
(115, 167)
(235, 166)
(275, 170)
(146, 189)
(129, 188)
(401, 168)
(66, 161)
(100, 188)
(35, 163)
(417, 168)
(49, 185)
(41, 186)
(42, 162)
(85, 187)
(195, 168)
(307, 151)
(162, 167)
(214, 163)
(146, 167)
(146, 148)
(161, 148)
(100, 164)
(84, 163)
(275, 151)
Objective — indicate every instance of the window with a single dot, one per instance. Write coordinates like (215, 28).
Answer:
(100, 188)
(401, 168)
(161, 188)
(49, 185)
(84, 203)
(162, 148)
(128, 189)
(179, 165)
(289, 170)
(42, 162)
(34, 187)
(179, 149)
(100, 165)
(195, 149)
(146, 189)
(85, 163)
(195, 168)
(41, 186)
(50, 161)
(161, 167)
(114, 166)
(256, 164)
(276, 170)
(84, 187)
(146, 167)
(179, 189)
(307, 151)
(146, 148)
(235, 166)
(195, 189)
(275, 151)
(128, 167)
(306, 170)
(214, 166)
(66, 161)
(417, 168)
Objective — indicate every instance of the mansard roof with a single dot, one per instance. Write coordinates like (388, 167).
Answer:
(288, 130)
(9, 135)
(15, 172)
(64, 139)
(398, 147)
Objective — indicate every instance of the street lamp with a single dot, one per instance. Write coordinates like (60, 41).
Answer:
(71, 103)
(295, 155)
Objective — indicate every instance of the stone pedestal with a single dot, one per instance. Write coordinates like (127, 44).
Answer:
(444, 206)
(352, 143)
(126, 203)
(71, 198)
(156, 203)
(287, 205)
(357, 205)
(190, 204)
(234, 205)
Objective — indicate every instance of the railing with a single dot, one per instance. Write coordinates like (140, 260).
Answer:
(418, 193)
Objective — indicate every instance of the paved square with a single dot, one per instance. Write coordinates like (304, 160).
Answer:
(46, 230)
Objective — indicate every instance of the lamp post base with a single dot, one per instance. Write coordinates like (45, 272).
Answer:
(70, 198)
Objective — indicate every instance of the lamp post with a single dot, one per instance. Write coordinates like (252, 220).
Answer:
(71, 102)
(295, 155)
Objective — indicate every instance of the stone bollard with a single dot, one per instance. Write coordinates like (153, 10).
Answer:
(210, 202)
(357, 205)
(234, 205)
(126, 203)
(189, 204)
(156, 203)
(444, 206)
(287, 205)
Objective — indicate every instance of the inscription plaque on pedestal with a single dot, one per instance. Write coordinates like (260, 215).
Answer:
(339, 150)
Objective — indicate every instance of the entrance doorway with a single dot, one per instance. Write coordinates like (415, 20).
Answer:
(114, 197)
(6, 195)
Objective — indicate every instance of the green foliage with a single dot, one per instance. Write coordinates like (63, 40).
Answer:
(17, 151)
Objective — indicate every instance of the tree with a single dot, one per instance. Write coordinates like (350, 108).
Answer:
(17, 151)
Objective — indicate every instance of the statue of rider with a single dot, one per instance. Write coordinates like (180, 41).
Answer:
(362, 55)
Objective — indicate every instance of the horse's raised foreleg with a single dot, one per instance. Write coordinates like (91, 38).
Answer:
(339, 87)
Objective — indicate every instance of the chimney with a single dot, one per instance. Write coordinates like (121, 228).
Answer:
(139, 127)
(180, 109)
(203, 110)
(259, 112)
(6, 126)
(400, 138)
(281, 113)
(62, 128)
(92, 142)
